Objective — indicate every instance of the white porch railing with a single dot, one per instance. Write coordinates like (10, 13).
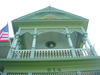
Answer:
(21, 54)
(52, 53)
(17, 73)
(81, 52)
(56, 73)
(93, 72)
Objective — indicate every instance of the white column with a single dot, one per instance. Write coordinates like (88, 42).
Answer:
(84, 40)
(16, 38)
(88, 41)
(92, 48)
(85, 45)
(14, 44)
(70, 43)
(17, 46)
(34, 43)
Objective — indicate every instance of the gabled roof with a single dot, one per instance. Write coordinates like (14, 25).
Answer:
(50, 13)
(49, 16)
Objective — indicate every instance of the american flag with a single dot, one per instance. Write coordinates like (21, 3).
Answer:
(4, 35)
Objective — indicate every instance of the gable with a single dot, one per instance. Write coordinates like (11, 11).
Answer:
(49, 16)
(50, 13)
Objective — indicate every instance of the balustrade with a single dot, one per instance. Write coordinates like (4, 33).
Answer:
(52, 53)
(81, 52)
(21, 54)
(91, 72)
(56, 73)
(17, 73)
(95, 72)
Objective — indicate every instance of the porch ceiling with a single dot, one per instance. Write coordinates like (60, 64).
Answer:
(59, 39)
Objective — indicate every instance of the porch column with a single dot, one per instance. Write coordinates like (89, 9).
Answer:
(18, 45)
(70, 43)
(14, 44)
(88, 41)
(34, 43)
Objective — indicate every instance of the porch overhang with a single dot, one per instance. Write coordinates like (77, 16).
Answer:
(49, 23)
(77, 63)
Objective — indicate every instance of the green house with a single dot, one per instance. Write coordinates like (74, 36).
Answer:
(49, 41)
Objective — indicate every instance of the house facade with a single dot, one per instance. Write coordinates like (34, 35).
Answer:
(49, 41)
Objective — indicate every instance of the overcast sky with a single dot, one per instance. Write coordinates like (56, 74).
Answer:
(90, 9)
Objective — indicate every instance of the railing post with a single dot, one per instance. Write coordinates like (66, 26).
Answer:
(70, 42)
(89, 43)
(14, 44)
(30, 73)
(78, 73)
(34, 43)
(4, 73)
(0, 73)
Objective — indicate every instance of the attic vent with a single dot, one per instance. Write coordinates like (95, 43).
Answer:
(49, 10)
(50, 16)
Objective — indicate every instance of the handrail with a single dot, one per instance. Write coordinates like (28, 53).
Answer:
(51, 49)
(22, 50)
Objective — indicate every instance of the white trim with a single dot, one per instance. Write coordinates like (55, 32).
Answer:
(48, 27)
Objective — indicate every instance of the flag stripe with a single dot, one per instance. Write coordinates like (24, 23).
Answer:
(4, 38)
(0, 31)
(4, 35)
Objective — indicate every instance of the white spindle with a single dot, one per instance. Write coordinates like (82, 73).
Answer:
(35, 54)
(44, 54)
(47, 55)
(55, 54)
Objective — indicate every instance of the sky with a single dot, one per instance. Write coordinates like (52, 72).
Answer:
(90, 9)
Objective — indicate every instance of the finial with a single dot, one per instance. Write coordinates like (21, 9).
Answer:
(50, 5)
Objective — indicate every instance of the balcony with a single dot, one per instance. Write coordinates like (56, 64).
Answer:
(52, 53)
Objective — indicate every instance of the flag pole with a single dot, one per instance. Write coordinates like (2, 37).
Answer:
(9, 35)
